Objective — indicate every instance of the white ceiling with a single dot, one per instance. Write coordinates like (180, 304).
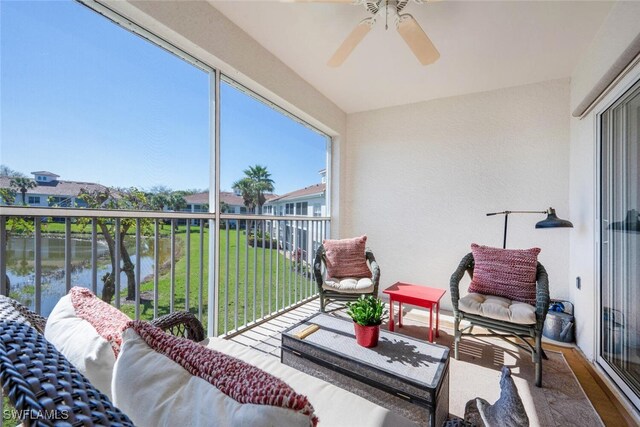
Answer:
(483, 46)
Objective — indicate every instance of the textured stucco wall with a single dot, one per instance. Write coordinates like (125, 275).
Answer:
(420, 179)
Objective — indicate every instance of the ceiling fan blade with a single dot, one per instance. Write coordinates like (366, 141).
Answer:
(417, 40)
(354, 2)
(350, 43)
(320, 1)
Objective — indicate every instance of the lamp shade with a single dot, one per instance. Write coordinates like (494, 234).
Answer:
(631, 223)
(552, 221)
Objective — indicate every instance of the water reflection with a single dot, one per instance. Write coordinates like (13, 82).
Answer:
(21, 271)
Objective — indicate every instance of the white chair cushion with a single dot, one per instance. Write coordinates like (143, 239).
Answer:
(498, 308)
(349, 285)
(81, 344)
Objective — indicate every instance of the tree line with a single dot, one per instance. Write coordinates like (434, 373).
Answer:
(252, 187)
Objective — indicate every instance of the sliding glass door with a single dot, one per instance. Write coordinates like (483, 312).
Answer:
(619, 351)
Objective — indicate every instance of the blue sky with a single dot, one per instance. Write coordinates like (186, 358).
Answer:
(86, 99)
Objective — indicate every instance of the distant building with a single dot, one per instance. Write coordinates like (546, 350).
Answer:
(199, 202)
(307, 201)
(51, 191)
(234, 203)
(301, 235)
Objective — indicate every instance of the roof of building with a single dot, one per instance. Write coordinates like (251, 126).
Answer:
(231, 199)
(56, 188)
(303, 192)
(197, 198)
(46, 173)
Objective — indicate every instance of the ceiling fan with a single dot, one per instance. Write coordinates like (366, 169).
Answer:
(407, 26)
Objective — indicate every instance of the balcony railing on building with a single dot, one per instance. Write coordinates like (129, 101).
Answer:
(253, 268)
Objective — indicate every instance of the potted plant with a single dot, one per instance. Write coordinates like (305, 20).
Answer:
(367, 313)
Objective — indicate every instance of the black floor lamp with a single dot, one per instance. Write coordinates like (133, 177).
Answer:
(552, 221)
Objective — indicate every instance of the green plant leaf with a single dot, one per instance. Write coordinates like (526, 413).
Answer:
(366, 311)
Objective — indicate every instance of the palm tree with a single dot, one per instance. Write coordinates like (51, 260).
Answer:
(158, 201)
(256, 183)
(263, 183)
(176, 202)
(23, 184)
(244, 187)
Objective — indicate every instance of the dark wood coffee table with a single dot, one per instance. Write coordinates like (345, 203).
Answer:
(402, 374)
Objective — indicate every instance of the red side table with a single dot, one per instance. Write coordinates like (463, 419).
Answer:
(422, 296)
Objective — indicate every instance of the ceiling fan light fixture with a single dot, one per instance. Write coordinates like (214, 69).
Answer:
(406, 25)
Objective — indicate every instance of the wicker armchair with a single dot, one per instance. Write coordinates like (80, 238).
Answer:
(181, 323)
(41, 384)
(329, 293)
(522, 331)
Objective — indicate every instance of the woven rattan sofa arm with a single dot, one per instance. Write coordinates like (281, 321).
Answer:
(317, 266)
(181, 324)
(44, 387)
(37, 321)
(375, 270)
(454, 284)
(542, 296)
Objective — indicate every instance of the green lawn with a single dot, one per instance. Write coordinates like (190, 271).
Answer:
(8, 417)
(289, 286)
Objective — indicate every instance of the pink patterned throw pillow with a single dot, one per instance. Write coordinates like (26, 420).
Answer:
(235, 378)
(509, 273)
(346, 257)
(107, 320)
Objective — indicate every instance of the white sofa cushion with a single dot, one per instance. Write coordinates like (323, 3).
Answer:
(86, 330)
(162, 380)
(349, 285)
(498, 308)
(334, 406)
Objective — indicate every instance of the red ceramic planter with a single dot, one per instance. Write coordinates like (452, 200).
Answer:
(367, 336)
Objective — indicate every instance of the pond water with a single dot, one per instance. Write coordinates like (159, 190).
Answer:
(21, 272)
